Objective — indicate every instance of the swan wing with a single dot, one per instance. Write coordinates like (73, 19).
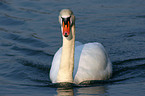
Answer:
(91, 63)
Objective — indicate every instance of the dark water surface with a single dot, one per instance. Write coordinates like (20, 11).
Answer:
(30, 35)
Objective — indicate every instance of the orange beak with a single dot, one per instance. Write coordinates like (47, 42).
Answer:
(66, 29)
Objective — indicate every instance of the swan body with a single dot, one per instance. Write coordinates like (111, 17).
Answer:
(75, 62)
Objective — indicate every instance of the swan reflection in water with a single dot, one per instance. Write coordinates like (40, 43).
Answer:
(82, 91)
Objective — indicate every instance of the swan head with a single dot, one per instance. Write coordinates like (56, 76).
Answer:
(66, 19)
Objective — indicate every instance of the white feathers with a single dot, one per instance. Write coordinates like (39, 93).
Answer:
(91, 62)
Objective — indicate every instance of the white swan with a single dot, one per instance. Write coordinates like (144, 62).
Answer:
(75, 62)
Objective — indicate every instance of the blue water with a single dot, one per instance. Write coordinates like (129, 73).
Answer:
(30, 35)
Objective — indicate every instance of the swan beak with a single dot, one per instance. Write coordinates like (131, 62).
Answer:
(66, 29)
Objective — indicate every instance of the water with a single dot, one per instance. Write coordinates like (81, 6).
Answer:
(30, 35)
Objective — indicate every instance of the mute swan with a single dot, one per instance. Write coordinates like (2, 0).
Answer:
(75, 62)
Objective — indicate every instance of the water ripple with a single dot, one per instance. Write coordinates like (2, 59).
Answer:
(32, 10)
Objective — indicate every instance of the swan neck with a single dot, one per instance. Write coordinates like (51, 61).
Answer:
(65, 73)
